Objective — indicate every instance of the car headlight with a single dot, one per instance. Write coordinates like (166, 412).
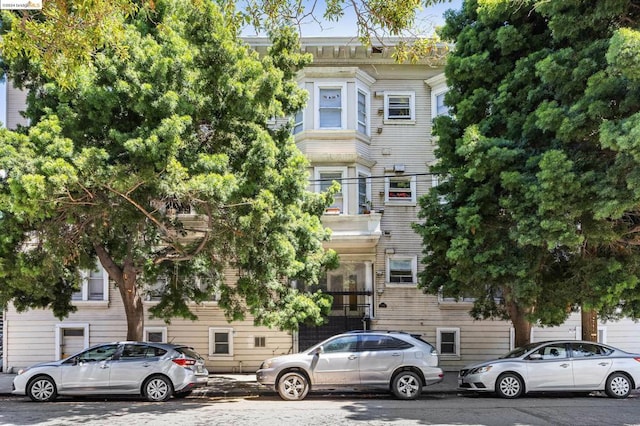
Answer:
(266, 364)
(23, 370)
(481, 370)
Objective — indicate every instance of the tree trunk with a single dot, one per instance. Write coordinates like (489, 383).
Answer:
(521, 325)
(589, 324)
(126, 278)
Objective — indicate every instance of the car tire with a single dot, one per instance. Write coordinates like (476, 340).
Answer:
(182, 394)
(618, 386)
(42, 389)
(293, 386)
(406, 385)
(509, 386)
(157, 389)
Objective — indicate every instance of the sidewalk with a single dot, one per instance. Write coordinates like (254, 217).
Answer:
(242, 385)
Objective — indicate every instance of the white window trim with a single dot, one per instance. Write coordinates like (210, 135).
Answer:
(296, 123)
(410, 201)
(412, 108)
(213, 330)
(362, 173)
(162, 330)
(343, 104)
(601, 328)
(367, 108)
(439, 332)
(345, 190)
(414, 270)
(59, 330)
(84, 276)
(434, 101)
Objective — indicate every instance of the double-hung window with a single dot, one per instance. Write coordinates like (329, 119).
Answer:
(400, 189)
(330, 107)
(298, 122)
(399, 106)
(94, 285)
(448, 341)
(220, 341)
(402, 269)
(363, 108)
(324, 179)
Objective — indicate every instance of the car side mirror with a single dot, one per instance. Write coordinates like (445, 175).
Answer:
(318, 350)
(535, 357)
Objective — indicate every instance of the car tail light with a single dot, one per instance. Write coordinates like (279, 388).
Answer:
(637, 358)
(184, 362)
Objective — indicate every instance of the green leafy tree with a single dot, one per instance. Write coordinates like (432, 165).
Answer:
(539, 211)
(181, 122)
(62, 37)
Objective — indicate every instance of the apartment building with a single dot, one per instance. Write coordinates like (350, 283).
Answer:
(367, 125)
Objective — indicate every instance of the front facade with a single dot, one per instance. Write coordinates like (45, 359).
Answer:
(367, 125)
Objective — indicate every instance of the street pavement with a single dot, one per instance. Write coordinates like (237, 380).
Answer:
(244, 385)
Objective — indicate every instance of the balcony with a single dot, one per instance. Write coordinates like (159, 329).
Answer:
(360, 231)
(335, 146)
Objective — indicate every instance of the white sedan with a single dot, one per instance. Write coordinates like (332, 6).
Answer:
(571, 365)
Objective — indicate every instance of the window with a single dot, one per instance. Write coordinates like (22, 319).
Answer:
(363, 116)
(155, 291)
(324, 179)
(94, 285)
(220, 342)
(298, 122)
(383, 343)
(155, 334)
(341, 344)
(209, 285)
(133, 351)
(401, 270)
(399, 106)
(259, 342)
(364, 189)
(400, 189)
(448, 341)
(330, 107)
(439, 89)
(552, 351)
(440, 107)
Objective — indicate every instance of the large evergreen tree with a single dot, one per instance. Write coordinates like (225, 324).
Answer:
(180, 121)
(539, 210)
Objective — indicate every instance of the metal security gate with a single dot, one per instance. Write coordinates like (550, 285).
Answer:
(310, 335)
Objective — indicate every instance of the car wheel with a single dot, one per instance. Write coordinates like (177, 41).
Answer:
(509, 386)
(618, 386)
(293, 386)
(182, 394)
(406, 385)
(157, 389)
(42, 389)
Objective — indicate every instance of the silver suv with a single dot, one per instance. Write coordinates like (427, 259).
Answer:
(398, 361)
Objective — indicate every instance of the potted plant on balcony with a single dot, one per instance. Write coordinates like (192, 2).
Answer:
(365, 208)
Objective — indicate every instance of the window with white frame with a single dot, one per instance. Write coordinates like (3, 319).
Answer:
(440, 107)
(435, 181)
(220, 341)
(210, 286)
(155, 334)
(402, 269)
(94, 285)
(399, 106)
(363, 109)
(439, 89)
(298, 122)
(324, 177)
(364, 192)
(448, 341)
(400, 189)
(330, 107)
(155, 291)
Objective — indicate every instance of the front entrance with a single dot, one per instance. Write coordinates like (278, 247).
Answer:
(71, 339)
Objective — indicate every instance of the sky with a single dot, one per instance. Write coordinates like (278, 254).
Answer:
(428, 18)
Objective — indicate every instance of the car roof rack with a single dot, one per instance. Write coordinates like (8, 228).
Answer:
(377, 331)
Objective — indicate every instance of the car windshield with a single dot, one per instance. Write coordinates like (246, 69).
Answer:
(518, 352)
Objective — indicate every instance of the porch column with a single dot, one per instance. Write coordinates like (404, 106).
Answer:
(368, 286)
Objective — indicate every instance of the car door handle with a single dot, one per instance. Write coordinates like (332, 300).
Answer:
(103, 366)
(604, 364)
(395, 354)
(352, 357)
(564, 365)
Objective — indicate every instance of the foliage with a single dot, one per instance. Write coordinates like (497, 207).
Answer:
(64, 36)
(181, 122)
(540, 181)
